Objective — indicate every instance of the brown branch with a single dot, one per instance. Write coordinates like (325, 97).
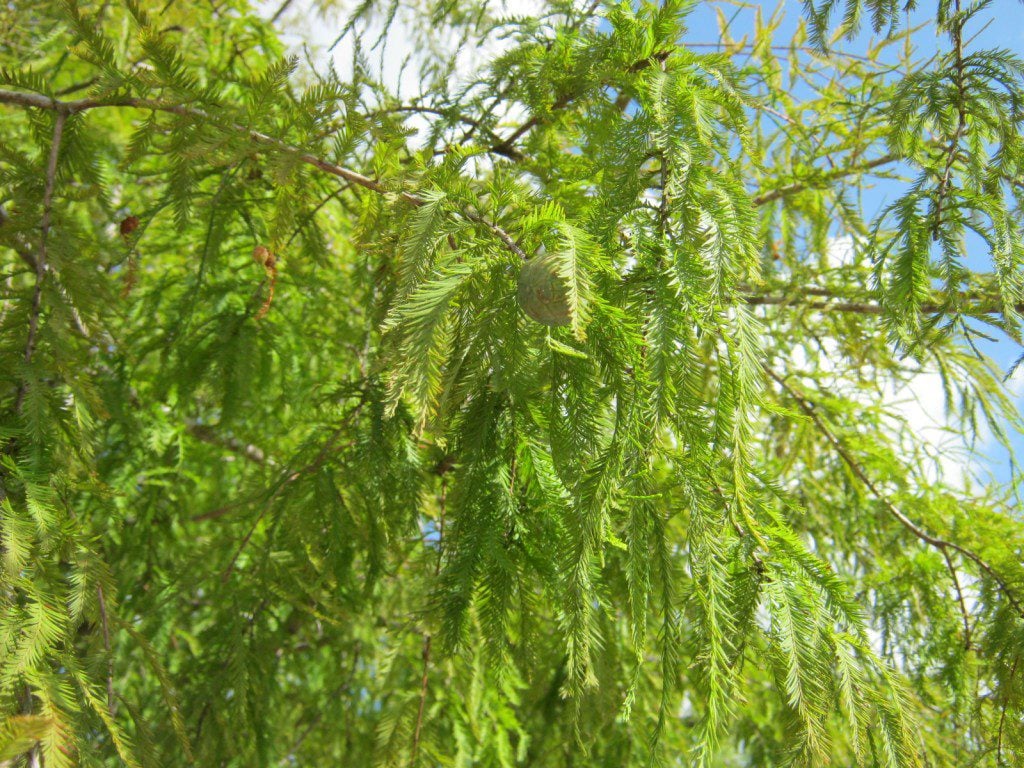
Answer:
(423, 699)
(68, 108)
(498, 232)
(860, 473)
(207, 434)
(800, 186)
(218, 512)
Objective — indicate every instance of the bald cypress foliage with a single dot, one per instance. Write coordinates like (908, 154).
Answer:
(290, 476)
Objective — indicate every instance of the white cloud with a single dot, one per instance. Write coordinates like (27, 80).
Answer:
(841, 252)
(398, 62)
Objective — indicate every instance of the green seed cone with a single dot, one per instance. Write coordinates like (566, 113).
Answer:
(541, 292)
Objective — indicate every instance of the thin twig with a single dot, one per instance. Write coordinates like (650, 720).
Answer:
(207, 434)
(21, 244)
(288, 478)
(733, 47)
(423, 699)
(318, 715)
(448, 114)
(961, 124)
(77, 87)
(44, 230)
(507, 145)
(960, 600)
(498, 232)
(976, 305)
(280, 11)
(218, 512)
(425, 678)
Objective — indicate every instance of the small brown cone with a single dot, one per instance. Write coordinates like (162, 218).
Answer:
(262, 256)
(128, 225)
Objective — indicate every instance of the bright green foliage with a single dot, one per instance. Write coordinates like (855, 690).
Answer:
(349, 505)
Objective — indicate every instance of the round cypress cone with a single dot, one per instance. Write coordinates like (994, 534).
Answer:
(542, 293)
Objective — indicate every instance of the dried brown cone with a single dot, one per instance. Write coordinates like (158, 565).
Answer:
(128, 225)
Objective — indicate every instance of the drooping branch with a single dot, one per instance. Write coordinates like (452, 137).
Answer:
(943, 545)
